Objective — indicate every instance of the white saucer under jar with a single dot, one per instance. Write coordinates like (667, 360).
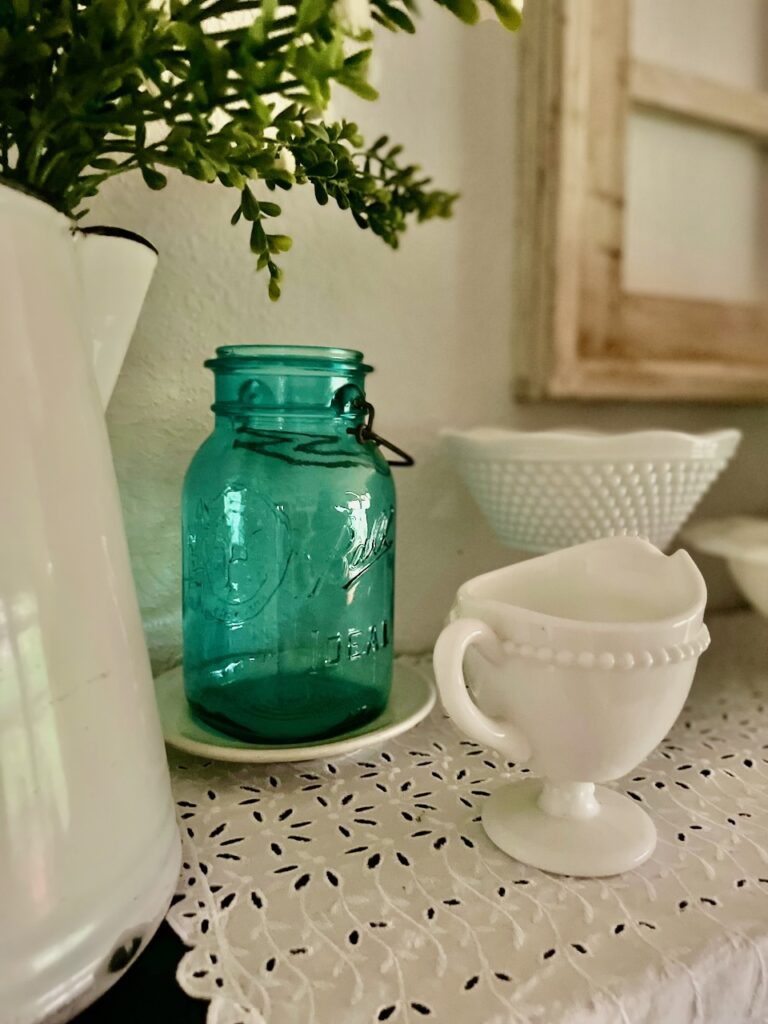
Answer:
(411, 698)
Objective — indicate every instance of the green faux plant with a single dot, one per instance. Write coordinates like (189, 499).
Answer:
(227, 90)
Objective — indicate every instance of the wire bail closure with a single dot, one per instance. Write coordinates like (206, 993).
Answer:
(365, 432)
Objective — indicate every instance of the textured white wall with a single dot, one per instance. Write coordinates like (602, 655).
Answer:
(436, 319)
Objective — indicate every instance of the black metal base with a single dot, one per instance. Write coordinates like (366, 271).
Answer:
(149, 992)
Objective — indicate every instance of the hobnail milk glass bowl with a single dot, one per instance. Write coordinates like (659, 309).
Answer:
(542, 491)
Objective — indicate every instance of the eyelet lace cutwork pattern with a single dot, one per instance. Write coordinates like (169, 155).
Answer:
(365, 890)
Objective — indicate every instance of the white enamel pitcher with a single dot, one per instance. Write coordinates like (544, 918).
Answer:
(89, 850)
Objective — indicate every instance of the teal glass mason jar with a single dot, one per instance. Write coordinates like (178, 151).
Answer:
(288, 522)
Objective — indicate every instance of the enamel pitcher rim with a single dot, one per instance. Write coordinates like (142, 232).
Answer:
(11, 191)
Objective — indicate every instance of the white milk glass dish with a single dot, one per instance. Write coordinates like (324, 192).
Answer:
(541, 491)
(576, 663)
(743, 542)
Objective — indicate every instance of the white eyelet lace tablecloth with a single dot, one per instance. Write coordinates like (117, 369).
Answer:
(364, 889)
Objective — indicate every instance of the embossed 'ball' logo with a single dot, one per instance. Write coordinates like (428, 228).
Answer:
(367, 537)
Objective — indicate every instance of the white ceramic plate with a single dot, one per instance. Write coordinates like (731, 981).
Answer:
(411, 700)
(743, 542)
(733, 537)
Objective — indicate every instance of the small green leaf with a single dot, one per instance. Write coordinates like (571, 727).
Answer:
(359, 59)
(186, 35)
(258, 238)
(279, 243)
(466, 10)
(508, 14)
(155, 179)
(119, 12)
(359, 87)
(249, 204)
(311, 11)
(350, 133)
(397, 17)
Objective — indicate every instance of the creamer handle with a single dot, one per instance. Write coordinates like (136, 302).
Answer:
(448, 660)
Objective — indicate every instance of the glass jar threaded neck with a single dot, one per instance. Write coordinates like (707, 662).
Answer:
(288, 380)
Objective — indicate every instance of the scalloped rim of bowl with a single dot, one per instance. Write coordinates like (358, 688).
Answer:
(736, 538)
(582, 445)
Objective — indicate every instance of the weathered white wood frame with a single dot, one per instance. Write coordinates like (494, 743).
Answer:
(580, 334)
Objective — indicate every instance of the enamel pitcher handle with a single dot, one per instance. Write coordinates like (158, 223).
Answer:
(448, 661)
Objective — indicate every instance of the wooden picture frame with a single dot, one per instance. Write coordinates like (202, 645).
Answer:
(581, 335)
